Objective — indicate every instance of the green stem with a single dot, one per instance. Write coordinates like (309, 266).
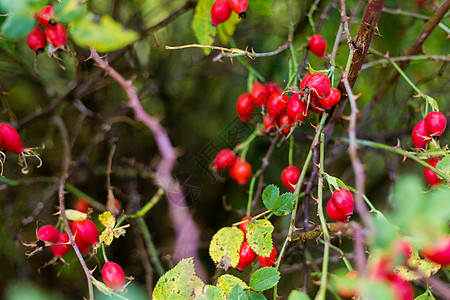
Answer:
(250, 195)
(104, 253)
(310, 14)
(153, 253)
(291, 150)
(246, 144)
(344, 258)
(324, 277)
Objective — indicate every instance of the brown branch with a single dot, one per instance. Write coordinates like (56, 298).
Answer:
(187, 241)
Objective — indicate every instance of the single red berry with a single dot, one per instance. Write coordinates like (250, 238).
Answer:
(36, 40)
(268, 261)
(345, 291)
(401, 288)
(56, 35)
(113, 275)
(46, 16)
(290, 176)
(420, 135)
(273, 87)
(277, 104)
(331, 98)
(315, 106)
(224, 159)
(239, 7)
(343, 201)
(220, 12)
(269, 123)
(297, 109)
(431, 177)
(241, 171)
(82, 205)
(318, 45)
(318, 83)
(334, 213)
(246, 256)
(48, 233)
(62, 248)
(10, 140)
(245, 106)
(285, 123)
(436, 123)
(438, 252)
(82, 246)
(85, 230)
(244, 225)
(260, 94)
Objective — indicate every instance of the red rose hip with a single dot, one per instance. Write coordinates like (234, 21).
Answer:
(297, 109)
(36, 40)
(246, 256)
(62, 247)
(431, 177)
(420, 135)
(318, 83)
(85, 230)
(277, 104)
(46, 16)
(268, 261)
(241, 171)
(438, 252)
(245, 106)
(331, 98)
(290, 176)
(48, 233)
(435, 123)
(220, 12)
(224, 159)
(285, 123)
(56, 35)
(239, 7)
(269, 123)
(260, 94)
(113, 275)
(10, 139)
(340, 205)
(317, 45)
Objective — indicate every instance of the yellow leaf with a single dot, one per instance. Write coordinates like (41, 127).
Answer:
(107, 219)
(107, 236)
(424, 267)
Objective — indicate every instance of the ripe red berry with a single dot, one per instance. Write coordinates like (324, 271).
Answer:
(401, 288)
(48, 233)
(241, 171)
(260, 94)
(277, 104)
(285, 123)
(290, 176)
(62, 248)
(246, 256)
(273, 87)
(244, 225)
(318, 83)
(438, 252)
(333, 97)
(36, 39)
(220, 12)
(85, 230)
(245, 106)
(82, 205)
(56, 35)
(345, 291)
(420, 135)
(315, 106)
(269, 123)
(297, 109)
(239, 7)
(318, 45)
(46, 16)
(224, 159)
(268, 261)
(82, 246)
(436, 123)
(113, 275)
(341, 205)
(10, 140)
(431, 177)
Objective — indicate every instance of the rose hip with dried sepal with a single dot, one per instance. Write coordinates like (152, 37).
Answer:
(56, 35)
(239, 7)
(46, 16)
(36, 39)
(318, 84)
(277, 104)
(285, 123)
(269, 123)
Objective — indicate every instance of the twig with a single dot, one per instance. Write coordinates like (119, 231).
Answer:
(406, 58)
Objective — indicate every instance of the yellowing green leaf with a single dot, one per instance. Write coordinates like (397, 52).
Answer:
(204, 30)
(102, 33)
(227, 282)
(75, 215)
(178, 283)
(259, 237)
(210, 292)
(225, 245)
(226, 29)
(107, 236)
(420, 266)
(107, 219)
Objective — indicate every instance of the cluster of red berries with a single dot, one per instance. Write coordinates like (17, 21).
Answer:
(49, 233)
(247, 255)
(240, 170)
(340, 206)
(221, 10)
(317, 44)
(85, 233)
(423, 132)
(55, 33)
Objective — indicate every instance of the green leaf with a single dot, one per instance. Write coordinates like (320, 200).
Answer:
(226, 29)
(255, 296)
(211, 292)
(227, 282)
(225, 245)
(204, 30)
(433, 103)
(298, 295)
(261, 7)
(178, 283)
(264, 279)
(284, 204)
(270, 193)
(425, 296)
(69, 10)
(237, 293)
(444, 166)
(103, 33)
(259, 237)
